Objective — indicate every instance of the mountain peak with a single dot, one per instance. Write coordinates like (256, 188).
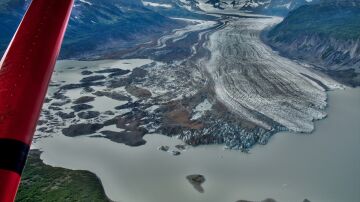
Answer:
(341, 2)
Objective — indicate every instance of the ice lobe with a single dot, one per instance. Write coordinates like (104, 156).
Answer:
(259, 85)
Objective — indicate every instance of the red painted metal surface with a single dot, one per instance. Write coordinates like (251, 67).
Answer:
(25, 72)
(9, 182)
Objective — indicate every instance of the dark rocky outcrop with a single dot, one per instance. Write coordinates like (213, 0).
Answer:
(81, 85)
(138, 73)
(113, 71)
(81, 107)
(116, 83)
(131, 138)
(88, 89)
(71, 86)
(128, 105)
(88, 114)
(41, 122)
(138, 92)
(112, 95)
(55, 108)
(92, 78)
(61, 103)
(273, 7)
(164, 148)
(180, 147)
(109, 113)
(81, 129)
(196, 181)
(66, 115)
(59, 96)
(86, 72)
(84, 99)
(47, 100)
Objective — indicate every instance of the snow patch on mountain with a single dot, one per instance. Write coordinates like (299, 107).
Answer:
(86, 2)
(153, 4)
(252, 5)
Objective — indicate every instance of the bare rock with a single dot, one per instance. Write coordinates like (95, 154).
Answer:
(131, 105)
(66, 115)
(88, 89)
(55, 108)
(81, 107)
(138, 92)
(81, 129)
(71, 86)
(112, 95)
(180, 147)
(164, 148)
(113, 71)
(41, 122)
(47, 100)
(86, 72)
(138, 73)
(88, 114)
(196, 181)
(109, 113)
(84, 99)
(116, 83)
(61, 103)
(92, 78)
(130, 138)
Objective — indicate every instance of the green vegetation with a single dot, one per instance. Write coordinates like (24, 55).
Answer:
(339, 22)
(41, 182)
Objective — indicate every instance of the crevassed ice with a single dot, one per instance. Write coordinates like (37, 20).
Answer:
(249, 77)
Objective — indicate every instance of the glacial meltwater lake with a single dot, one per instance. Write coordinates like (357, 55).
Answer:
(323, 166)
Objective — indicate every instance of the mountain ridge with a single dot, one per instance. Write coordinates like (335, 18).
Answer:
(326, 35)
(275, 7)
(96, 27)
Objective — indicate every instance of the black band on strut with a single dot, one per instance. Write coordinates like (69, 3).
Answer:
(13, 154)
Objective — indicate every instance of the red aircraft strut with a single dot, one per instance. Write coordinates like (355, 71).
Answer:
(25, 72)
